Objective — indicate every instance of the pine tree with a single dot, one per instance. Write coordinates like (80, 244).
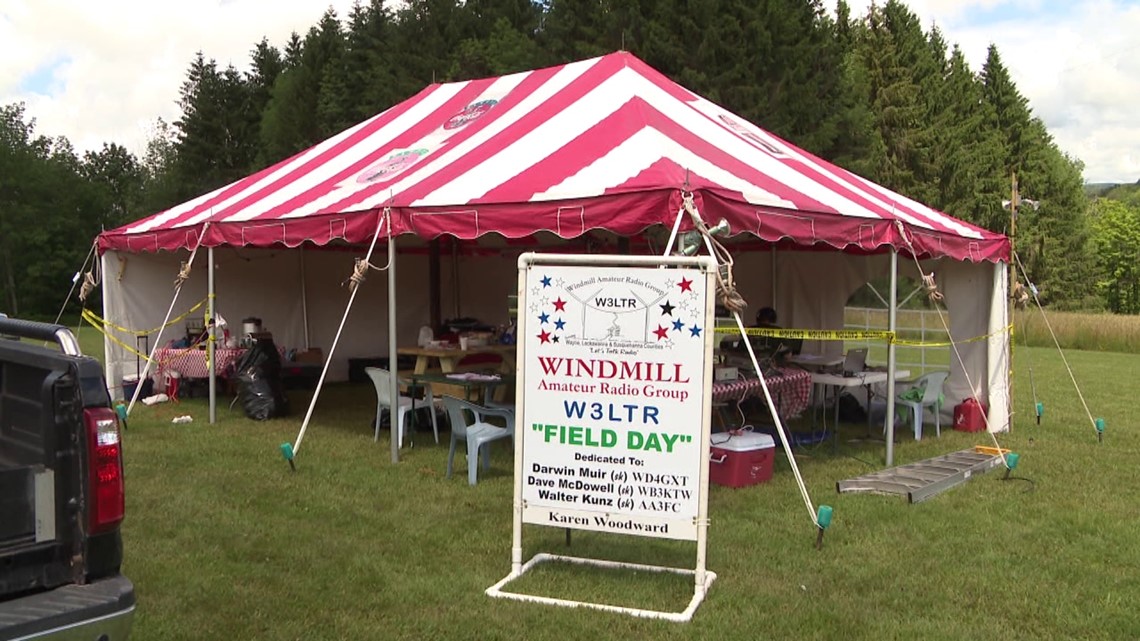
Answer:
(217, 138)
(1010, 109)
(971, 165)
(292, 121)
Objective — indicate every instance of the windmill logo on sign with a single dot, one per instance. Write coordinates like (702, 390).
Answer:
(625, 311)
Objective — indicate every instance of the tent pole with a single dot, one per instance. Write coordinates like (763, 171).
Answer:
(212, 328)
(774, 277)
(455, 274)
(892, 326)
(434, 302)
(393, 362)
(304, 299)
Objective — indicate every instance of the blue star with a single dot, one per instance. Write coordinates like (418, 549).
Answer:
(678, 325)
(695, 331)
(545, 281)
(544, 318)
(559, 324)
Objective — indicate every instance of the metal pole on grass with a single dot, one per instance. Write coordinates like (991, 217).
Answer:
(392, 360)
(304, 298)
(892, 325)
(212, 328)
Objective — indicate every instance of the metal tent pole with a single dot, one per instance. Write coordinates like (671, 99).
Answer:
(892, 326)
(392, 360)
(304, 299)
(212, 328)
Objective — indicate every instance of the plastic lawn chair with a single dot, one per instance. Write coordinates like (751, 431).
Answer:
(926, 391)
(382, 380)
(469, 424)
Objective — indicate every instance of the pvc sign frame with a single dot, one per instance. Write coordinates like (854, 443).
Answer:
(613, 407)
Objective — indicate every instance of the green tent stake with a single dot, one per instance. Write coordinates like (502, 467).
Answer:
(121, 410)
(287, 452)
(1010, 463)
(1040, 411)
(823, 517)
(1099, 430)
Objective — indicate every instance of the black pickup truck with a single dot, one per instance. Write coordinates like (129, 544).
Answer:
(61, 492)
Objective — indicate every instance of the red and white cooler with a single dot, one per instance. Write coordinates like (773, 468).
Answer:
(741, 459)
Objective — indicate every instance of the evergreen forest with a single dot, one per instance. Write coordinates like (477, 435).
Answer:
(881, 94)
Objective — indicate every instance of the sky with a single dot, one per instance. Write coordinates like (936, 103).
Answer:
(105, 71)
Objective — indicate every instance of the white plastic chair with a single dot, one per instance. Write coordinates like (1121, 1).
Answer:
(931, 384)
(382, 380)
(468, 423)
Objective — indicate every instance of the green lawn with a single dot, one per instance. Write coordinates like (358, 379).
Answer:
(223, 542)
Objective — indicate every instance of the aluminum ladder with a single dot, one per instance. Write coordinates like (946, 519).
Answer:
(924, 479)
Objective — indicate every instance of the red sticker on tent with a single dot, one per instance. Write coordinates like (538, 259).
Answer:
(391, 166)
(470, 113)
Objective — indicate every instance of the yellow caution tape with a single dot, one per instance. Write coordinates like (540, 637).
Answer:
(95, 318)
(94, 321)
(886, 336)
(812, 334)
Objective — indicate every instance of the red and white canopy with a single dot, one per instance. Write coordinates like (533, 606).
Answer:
(606, 143)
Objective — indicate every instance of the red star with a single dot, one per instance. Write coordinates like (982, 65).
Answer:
(544, 336)
(559, 305)
(661, 332)
(686, 285)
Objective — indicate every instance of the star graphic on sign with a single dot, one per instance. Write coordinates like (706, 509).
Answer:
(544, 336)
(695, 331)
(534, 291)
(678, 325)
(545, 281)
(559, 282)
(686, 285)
(667, 308)
(555, 339)
(559, 305)
(534, 307)
(661, 332)
(559, 324)
(543, 318)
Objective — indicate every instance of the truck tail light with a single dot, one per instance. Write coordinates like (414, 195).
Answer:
(105, 465)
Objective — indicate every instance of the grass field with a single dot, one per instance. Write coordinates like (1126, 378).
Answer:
(223, 542)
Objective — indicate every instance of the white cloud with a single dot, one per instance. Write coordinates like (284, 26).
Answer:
(1077, 62)
(118, 64)
(124, 60)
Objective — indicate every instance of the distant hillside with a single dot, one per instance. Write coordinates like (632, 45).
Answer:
(1096, 190)
(1128, 194)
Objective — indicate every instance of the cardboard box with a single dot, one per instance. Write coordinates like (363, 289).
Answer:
(312, 355)
(740, 459)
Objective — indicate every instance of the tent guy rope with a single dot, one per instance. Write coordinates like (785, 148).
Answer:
(289, 451)
(727, 292)
(183, 275)
(1099, 427)
(936, 299)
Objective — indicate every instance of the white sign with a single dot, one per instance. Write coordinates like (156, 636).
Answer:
(615, 399)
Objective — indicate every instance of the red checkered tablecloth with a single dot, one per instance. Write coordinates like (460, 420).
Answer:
(191, 363)
(791, 390)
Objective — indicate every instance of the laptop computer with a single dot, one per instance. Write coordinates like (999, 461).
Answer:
(855, 361)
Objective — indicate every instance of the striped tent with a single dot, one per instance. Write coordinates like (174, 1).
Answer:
(606, 143)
